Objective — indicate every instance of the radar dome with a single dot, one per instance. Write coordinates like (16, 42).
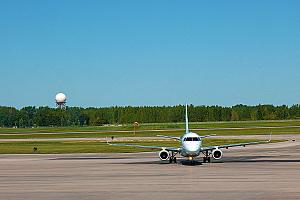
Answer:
(60, 98)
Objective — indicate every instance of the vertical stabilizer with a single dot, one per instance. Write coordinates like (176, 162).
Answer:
(186, 119)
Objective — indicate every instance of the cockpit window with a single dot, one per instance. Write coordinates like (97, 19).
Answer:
(192, 139)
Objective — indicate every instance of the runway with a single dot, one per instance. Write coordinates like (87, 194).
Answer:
(270, 171)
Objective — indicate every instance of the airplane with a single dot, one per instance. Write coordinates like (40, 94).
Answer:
(191, 146)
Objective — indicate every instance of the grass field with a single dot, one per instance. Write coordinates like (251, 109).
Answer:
(52, 133)
(157, 126)
(95, 147)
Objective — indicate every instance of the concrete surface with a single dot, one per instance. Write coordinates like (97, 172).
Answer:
(270, 171)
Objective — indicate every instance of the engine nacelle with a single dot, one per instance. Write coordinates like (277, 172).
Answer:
(217, 154)
(164, 155)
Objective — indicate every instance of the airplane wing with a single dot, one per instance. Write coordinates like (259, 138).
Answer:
(174, 149)
(169, 137)
(210, 148)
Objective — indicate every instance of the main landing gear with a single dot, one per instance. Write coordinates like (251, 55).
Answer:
(173, 158)
(206, 158)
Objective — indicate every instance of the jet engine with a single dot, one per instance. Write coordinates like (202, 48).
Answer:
(164, 155)
(217, 154)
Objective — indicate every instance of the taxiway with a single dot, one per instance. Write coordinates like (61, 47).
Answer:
(270, 171)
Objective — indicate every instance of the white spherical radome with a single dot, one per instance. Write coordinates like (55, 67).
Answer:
(60, 98)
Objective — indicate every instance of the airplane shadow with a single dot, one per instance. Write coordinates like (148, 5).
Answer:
(190, 163)
(179, 162)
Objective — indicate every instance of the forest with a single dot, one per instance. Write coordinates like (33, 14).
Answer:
(75, 116)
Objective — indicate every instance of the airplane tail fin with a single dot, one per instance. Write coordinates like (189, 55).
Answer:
(186, 119)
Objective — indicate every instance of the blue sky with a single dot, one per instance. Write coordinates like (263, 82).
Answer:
(158, 52)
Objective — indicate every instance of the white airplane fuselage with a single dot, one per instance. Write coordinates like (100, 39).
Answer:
(191, 144)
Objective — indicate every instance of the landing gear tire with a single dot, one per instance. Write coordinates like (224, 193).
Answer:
(206, 159)
(173, 160)
(172, 157)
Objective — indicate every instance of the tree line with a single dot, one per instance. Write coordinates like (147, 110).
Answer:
(76, 116)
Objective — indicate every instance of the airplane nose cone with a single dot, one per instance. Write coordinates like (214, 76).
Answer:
(192, 148)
